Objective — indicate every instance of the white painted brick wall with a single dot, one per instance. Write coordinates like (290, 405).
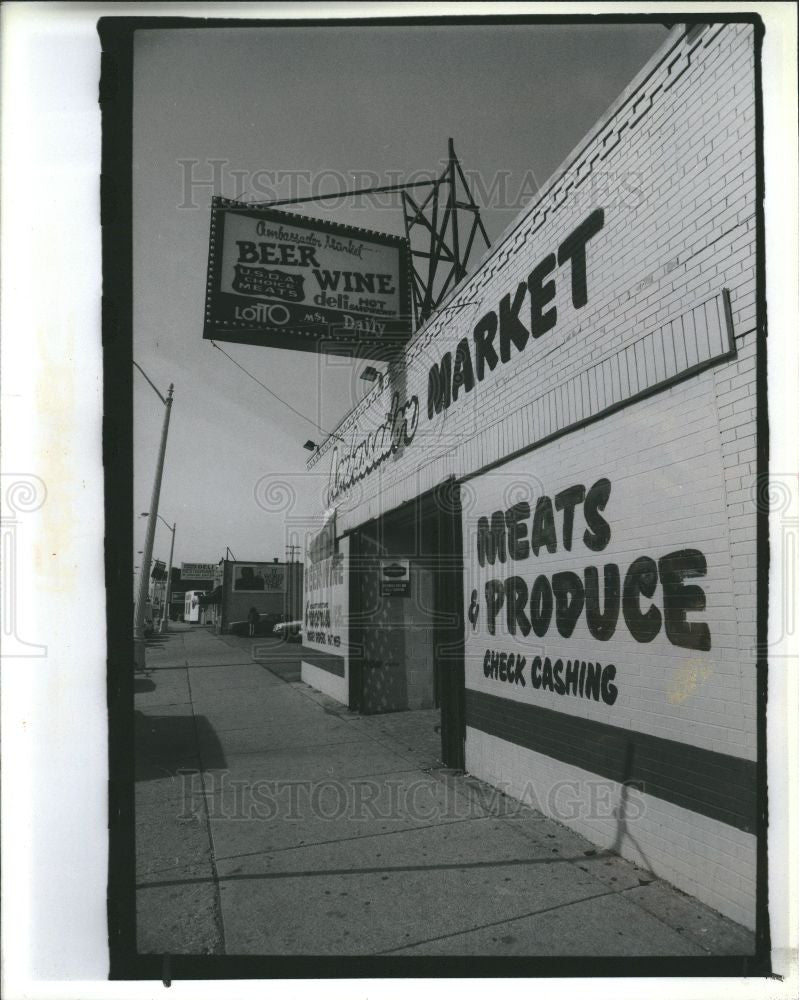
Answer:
(712, 861)
(335, 597)
(673, 166)
(663, 460)
(679, 216)
(329, 684)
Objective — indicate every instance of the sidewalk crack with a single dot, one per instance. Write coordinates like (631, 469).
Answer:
(214, 871)
(496, 923)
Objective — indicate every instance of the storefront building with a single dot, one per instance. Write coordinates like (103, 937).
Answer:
(542, 520)
(189, 578)
(274, 589)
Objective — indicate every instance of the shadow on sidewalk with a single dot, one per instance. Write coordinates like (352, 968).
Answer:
(166, 744)
(274, 654)
(158, 639)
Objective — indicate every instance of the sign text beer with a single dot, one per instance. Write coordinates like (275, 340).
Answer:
(282, 280)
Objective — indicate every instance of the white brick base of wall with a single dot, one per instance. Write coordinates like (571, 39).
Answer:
(707, 859)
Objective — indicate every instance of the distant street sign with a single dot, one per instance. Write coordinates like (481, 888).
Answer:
(197, 571)
(282, 280)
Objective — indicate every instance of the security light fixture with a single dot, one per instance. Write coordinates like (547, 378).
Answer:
(370, 374)
(310, 445)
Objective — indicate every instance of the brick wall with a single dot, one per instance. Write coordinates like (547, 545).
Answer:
(237, 604)
(647, 377)
(679, 722)
(672, 167)
(706, 858)
(325, 666)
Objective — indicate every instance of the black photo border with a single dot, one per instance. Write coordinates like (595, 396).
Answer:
(116, 100)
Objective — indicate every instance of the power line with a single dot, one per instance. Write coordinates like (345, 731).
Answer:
(343, 194)
(152, 384)
(273, 393)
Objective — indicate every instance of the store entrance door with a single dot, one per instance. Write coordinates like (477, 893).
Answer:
(406, 614)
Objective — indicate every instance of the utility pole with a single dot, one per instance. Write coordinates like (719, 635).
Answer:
(141, 601)
(165, 616)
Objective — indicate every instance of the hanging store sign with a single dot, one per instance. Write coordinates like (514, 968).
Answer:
(282, 280)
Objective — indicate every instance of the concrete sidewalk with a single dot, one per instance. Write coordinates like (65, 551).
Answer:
(270, 820)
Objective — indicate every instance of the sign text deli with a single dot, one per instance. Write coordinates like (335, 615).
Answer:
(526, 313)
(277, 279)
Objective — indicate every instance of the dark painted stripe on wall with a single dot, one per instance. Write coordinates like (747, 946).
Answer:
(712, 784)
(331, 662)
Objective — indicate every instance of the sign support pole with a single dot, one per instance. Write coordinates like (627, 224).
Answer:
(438, 257)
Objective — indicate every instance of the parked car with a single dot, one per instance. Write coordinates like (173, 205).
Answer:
(291, 631)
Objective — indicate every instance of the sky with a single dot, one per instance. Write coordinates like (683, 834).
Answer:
(290, 111)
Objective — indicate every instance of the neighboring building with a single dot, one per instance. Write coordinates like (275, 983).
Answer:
(273, 588)
(544, 519)
(187, 577)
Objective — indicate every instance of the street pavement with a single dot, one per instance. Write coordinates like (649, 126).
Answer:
(270, 820)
